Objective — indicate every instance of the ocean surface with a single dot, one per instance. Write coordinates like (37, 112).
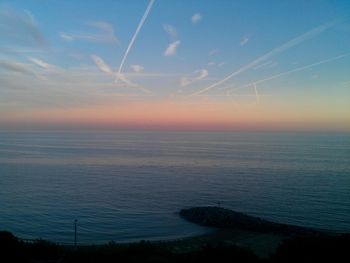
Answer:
(127, 186)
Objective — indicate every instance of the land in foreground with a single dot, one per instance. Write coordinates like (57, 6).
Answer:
(235, 238)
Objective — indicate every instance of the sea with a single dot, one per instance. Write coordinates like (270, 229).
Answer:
(127, 186)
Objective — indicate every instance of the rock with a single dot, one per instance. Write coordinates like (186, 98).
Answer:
(218, 217)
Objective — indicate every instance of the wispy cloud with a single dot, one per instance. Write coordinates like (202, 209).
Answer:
(41, 63)
(213, 52)
(68, 37)
(171, 49)
(20, 28)
(137, 68)
(170, 30)
(142, 21)
(128, 82)
(287, 45)
(211, 63)
(221, 64)
(120, 76)
(15, 66)
(105, 34)
(196, 18)
(64, 84)
(244, 40)
(20, 50)
(197, 75)
(101, 64)
(267, 64)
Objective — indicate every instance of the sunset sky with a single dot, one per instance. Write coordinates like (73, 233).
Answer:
(212, 65)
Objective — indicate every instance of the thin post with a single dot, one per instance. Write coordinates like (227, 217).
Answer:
(75, 232)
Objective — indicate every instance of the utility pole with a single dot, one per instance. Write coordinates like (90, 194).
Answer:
(75, 231)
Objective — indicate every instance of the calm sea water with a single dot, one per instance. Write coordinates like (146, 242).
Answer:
(127, 186)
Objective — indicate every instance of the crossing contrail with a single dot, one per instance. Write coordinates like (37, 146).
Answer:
(292, 71)
(106, 69)
(148, 9)
(289, 44)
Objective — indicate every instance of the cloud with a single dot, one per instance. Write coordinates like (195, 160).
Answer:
(221, 64)
(103, 26)
(19, 50)
(14, 75)
(287, 45)
(267, 64)
(244, 41)
(137, 68)
(40, 63)
(101, 64)
(119, 76)
(60, 89)
(67, 37)
(196, 18)
(20, 28)
(129, 83)
(171, 49)
(142, 74)
(17, 67)
(184, 81)
(213, 52)
(202, 74)
(171, 31)
(198, 75)
(107, 29)
(211, 63)
(105, 34)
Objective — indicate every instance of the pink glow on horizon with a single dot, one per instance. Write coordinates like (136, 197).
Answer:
(177, 116)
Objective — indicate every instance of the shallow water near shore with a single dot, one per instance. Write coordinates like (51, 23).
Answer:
(127, 186)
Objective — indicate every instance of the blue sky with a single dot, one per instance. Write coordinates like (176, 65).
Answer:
(67, 53)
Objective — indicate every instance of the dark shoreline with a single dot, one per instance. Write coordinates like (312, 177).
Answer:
(223, 218)
(235, 237)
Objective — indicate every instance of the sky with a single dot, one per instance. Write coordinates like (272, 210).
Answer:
(166, 64)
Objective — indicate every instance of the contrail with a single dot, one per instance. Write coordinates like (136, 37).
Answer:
(131, 84)
(289, 44)
(148, 9)
(256, 93)
(292, 71)
(106, 69)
